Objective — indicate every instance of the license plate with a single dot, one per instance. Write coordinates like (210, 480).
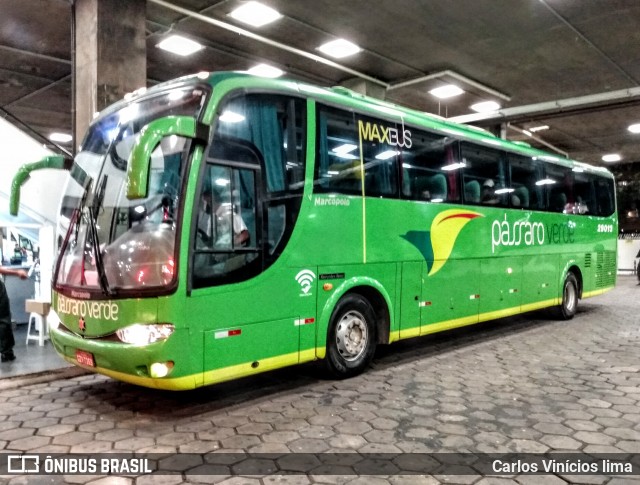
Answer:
(85, 358)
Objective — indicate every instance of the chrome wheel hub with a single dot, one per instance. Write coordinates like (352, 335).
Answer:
(570, 297)
(351, 335)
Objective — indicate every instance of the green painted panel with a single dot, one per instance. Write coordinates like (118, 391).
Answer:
(452, 293)
(249, 344)
(501, 283)
(540, 275)
(410, 294)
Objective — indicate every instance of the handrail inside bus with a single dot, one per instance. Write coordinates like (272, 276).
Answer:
(149, 137)
(59, 162)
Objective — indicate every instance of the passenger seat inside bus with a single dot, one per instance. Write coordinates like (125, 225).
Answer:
(558, 201)
(432, 187)
(472, 192)
(522, 193)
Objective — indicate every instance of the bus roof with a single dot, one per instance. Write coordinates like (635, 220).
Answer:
(350, 99)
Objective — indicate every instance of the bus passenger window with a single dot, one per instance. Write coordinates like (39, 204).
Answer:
(559, 186)
(524, 173)
(483, 172)
(585, 192)
(341, 168)
(430, 168)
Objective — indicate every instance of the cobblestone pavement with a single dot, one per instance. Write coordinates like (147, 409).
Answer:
(524, 384)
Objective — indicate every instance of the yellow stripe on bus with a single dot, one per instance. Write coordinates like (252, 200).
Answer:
(470, 320)
(589, 294)
(210, 377)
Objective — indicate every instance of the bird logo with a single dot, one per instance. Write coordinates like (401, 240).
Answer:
(436, 245)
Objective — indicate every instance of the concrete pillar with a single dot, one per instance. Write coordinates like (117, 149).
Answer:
(365, 87)
(499, 130)
(110, 55)
(503, 131)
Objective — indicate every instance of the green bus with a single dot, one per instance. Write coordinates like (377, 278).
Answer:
(223, 224)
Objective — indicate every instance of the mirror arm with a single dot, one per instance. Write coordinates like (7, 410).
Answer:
(140, 158)
(59, 162)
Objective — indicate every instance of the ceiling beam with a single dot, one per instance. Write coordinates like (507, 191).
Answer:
(564, 106)
(537, 139)
(453, 74)
(35, 54)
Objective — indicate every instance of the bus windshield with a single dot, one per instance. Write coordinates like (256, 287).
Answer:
(109, 242)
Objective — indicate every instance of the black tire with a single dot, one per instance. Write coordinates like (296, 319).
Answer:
(351, 338)
(569, 304)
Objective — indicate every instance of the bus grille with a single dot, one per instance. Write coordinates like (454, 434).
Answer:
(587, 260)
(605, 269)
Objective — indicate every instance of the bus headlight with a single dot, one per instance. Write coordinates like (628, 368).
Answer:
(160, 369)
(138, 334)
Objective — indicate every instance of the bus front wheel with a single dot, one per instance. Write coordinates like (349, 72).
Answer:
(351, 340)
(569, 304)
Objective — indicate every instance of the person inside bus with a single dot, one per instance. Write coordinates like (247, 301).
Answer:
(488, 195)
(217, 220)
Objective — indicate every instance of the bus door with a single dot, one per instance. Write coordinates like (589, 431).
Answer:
(450, 295)
(244, 313)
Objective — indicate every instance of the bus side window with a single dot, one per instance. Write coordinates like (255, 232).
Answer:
(484, 168)
(585, 192)
(559, 188)
(523, 176)
(338, 159)
(342, 168)
(605, 205)
(429, 168)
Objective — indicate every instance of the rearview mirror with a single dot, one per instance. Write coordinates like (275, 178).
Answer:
(149, 137)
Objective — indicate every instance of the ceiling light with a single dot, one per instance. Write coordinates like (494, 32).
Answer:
(533, 129)
(264, 70)
(447, 91)
(60, 137)
(635, 128)
(344, 148)
(255, 14)
(339, 48)
(180, 45)
(485, 107)
(611, 157)
(387, 154)
(231, 117)
(454, 166)
(506, 190)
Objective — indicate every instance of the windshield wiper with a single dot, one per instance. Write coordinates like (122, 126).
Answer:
(102, 275)
(93, 214)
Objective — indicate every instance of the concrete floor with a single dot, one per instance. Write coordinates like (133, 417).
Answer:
(518, 385)
(31, 358)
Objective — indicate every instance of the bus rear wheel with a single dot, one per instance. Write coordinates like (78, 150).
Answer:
(569, 304)
(351, 340)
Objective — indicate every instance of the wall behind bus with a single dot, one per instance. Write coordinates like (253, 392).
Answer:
(627, 251)
(42, 192)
